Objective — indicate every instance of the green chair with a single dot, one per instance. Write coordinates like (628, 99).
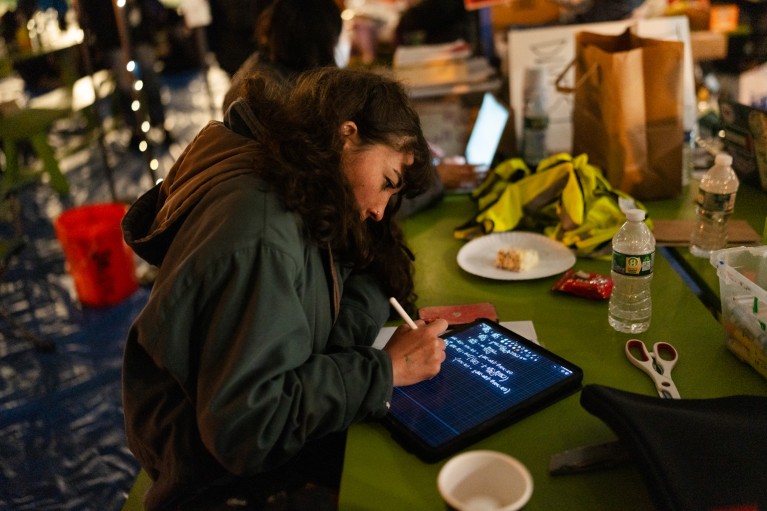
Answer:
(31, 124)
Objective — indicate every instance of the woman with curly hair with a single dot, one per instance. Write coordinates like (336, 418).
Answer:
(276, 251)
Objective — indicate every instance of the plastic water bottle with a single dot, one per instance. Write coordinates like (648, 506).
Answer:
(535, 118)
(715, 203)
(630, 307)
(688, 157)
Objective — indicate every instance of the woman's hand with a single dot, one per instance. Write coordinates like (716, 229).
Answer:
(416, 355)
(455, 173)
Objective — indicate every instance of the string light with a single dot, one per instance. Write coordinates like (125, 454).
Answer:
(136, 104)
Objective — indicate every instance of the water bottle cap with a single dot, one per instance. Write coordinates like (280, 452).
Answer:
(535, 77)
(635, 215)
(534, 83)
(723, 159)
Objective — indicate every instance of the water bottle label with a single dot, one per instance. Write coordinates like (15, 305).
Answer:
(633, 265)
(716, 202)
(536, 123)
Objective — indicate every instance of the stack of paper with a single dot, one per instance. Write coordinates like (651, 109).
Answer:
(440, 64)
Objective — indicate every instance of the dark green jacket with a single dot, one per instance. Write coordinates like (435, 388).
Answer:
(236, 363)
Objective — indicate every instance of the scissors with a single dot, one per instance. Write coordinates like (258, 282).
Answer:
(657, 363)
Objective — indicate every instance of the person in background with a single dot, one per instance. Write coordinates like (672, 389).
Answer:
(293, 36)
(298, 35)
(143, 21)
(231, 33)
(435, 22)
(611, 10)
(276, 251)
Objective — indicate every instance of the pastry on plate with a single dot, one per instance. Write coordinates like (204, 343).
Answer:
(516, 259)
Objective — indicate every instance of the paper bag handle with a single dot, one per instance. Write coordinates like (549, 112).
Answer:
(567, 89)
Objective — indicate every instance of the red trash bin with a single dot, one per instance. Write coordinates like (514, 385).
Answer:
(100, 262)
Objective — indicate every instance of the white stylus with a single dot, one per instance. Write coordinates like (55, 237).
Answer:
(394, 303)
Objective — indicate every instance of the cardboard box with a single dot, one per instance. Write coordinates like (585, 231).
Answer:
(707, 45)
(723, 17)
(524, 12)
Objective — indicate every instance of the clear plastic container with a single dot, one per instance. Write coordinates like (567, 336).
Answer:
(742, 275)
(630, 307)
(715, 204)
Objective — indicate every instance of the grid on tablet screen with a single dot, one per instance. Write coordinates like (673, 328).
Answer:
(484, 374)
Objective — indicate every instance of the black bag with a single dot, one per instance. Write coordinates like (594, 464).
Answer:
(694, 454)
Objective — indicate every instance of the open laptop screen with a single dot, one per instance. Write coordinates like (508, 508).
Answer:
(487, 131)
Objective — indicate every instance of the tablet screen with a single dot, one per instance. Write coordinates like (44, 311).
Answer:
(491, 377)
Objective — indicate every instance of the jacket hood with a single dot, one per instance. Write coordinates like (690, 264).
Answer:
(220, 151)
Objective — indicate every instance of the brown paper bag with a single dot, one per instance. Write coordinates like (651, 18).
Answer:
(627, 111)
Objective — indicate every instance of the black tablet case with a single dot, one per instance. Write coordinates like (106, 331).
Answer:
(475, 393)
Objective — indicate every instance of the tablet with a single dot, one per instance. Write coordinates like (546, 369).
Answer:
(491, 378)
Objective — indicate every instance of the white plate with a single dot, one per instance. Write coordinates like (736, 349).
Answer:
(478, 255)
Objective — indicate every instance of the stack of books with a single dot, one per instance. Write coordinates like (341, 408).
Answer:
(435, 69)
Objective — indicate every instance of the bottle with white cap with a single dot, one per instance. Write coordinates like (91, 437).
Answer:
(535, 118)
(714, 206)
(630, 307)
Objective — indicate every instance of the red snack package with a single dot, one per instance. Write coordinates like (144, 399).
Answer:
(582, 283)
(459, 314)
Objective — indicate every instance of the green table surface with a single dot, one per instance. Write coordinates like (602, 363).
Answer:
(379, 474)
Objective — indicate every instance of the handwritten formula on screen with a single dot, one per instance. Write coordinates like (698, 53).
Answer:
(488, 356)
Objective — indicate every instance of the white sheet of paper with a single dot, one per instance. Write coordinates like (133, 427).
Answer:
(752, 87)
(524, 328)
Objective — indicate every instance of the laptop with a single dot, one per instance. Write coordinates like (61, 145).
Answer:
(483, 141)
(486, 133)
